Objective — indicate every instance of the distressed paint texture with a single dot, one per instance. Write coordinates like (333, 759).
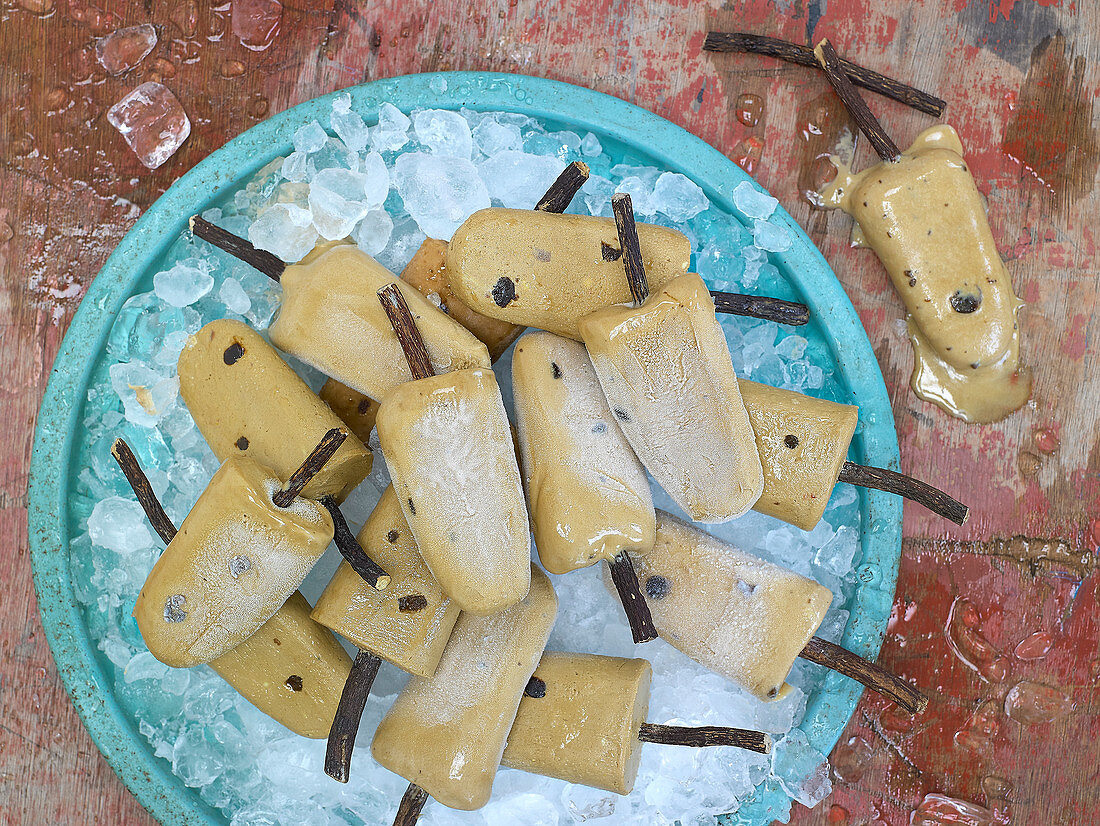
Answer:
(71, 188)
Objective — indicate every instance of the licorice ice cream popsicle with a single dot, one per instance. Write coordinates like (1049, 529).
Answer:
(587, 494)
(237, 557)
(447, 734)
(407, 624)
(248, 402)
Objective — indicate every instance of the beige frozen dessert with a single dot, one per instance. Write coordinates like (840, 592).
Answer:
(292, 669)
(803, 443)
(450, 454)
(354, 409)
(447, 734)
(545, 270)
(581, 723)
(330, 318)
(740, 616)
(925, 219)
(238, 556)
(407, 624)
(248, 402)
(666, 372)
(587, 494)
(427, 271)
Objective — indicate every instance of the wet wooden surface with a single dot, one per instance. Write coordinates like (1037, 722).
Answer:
(1000, 614)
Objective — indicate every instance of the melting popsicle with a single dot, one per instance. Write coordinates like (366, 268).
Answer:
(582, 719)
(243, 549)
(665, 369)
(922, 214)
(292, 668)
(446, 735)
(745, 618)
(587, 494)
(449, 450)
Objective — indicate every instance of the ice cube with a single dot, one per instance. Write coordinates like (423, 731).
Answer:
(517, 179)
(123, 49)
(146, 395)
(597, 192)
(493, 137)
(439, 192)
(285, 230)
(119, 524)
(183, 284)
(373, 232)
(338, 201)
(641, 194)
(802, 770)
(348, 125)
(443, 132)
(751, 202)
(770, 237)
(233, 296)
(678, 197)
(590, 146)
(296, 166)
(256, 22)
(393, 128)
(405, 240)
(144, 666)
(310, 138)
(152, 122)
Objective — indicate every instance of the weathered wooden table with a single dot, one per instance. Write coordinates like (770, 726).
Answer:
(997, 620)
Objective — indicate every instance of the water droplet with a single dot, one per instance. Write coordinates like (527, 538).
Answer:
(749, 109)
(976, 735)
(164, 68)
(851, 760)
(964, 635)
(232, 68)
(58, 100)
(747, 153)
(256, 22)
(838, 815)
(6, 232)
(1029, 464)
(1046, 440)
(258, 107)
(1034, 647)
(1033, 703)
(939, 810)
(37, 6)
(186, 17)
(996, 788)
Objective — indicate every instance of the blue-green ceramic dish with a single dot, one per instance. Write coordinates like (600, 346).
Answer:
(53, 470)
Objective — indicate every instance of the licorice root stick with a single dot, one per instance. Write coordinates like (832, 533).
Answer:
(913, 489)
(804, 56)
(412, 804)
(855, 104)
(703, 736)
(369, 570)
(146, 497)
(316, 460)
(270, 265)
(565, 187)
(404, 325)
(345, 725)
(865, 672)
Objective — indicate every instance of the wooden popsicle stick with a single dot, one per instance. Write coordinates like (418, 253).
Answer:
(564, 189)
(313, 463)
(369, 570)
(804, 56)
(345, 725)
(404, 325)
(757, 306)
(270, 265)
(412, 804)
(146, 496)
(704, 736)
(865, 672)
(913, 489)
(630, 594)
(855, 104)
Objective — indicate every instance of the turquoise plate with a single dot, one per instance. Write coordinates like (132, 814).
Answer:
(53, 471)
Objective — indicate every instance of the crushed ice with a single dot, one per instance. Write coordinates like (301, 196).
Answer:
(389, 180)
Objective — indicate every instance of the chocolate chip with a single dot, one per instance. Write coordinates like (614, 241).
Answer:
(173, 608)
(622, 415)
(294, 683)
(392, 536)
(535, 688)
(791, 441)
(912, 278)
(965, 302)
(364, 407)
(657, 587)
(412, 508)
(504, 293)
(555, 371)
(242, 443)
(411, 603)
(609, 253)
(233, 353)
